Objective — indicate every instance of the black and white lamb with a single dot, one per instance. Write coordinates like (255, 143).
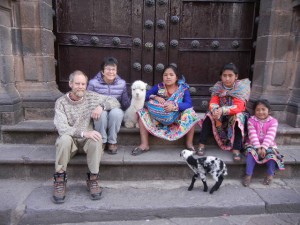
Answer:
(203, 165)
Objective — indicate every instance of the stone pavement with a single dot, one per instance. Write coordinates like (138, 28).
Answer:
(152, 202)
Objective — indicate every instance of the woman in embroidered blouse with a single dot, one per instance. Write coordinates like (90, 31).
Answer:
(261, 146)
(227, 113)
(172, 97)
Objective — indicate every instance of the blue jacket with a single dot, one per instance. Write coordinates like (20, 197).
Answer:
(117, 89)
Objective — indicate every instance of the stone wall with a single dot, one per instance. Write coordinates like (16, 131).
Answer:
(10, 99)
(275, 67)
(28, 65)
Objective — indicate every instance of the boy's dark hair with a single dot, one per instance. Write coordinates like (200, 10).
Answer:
(111, 61)
(264, 102)
(230, 66)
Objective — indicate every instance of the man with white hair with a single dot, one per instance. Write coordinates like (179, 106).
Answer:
(73, 113)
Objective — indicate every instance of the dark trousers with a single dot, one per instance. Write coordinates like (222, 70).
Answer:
(207, 130)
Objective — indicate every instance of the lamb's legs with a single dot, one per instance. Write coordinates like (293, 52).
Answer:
(217, 184)
(205, 188)
(193, 182)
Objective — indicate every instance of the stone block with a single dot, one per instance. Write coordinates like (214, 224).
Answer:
(16, 39)
(293, 118)
(5, 4)
(266, 6)
(46, 16)
(283, 21)
(6, 69)
(284, 5)
(32, 68)
(283, 49)
(37, 42)
(29, 14)
(18, 68)
(35, 93)
(297, 48)
(279, 73)
(5, 16)
(262, 48)
(5, 41)
(275, 22)
(47, 42)
(39, 68)
(261, 69)
(48, 70)
(8, 97)
(264, 26)
(11, 118)
(39, 113)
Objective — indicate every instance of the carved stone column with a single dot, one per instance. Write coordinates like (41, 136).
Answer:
(293, 108)
(274, 72)
(10, 101)
(37, 82)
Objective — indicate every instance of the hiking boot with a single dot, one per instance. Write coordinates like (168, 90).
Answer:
(112, 149)
(93, 186)
(59, 184)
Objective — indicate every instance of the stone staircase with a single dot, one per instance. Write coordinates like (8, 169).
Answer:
(145, 187)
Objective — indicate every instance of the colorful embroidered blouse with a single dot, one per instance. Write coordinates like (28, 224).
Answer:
(232, 100)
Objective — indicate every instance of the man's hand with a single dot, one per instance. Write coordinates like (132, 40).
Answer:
(97, 112)
(95, 135)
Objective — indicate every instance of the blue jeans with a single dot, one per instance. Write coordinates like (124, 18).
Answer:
(108, 125)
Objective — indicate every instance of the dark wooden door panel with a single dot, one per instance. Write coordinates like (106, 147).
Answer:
(88, 31)
(87, 60)
(208, 35)
(94, 16)
(199, 36)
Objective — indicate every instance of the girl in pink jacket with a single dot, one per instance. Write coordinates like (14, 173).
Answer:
(261, 147)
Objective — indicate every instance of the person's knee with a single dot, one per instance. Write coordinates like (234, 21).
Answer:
(94, 145)
(65, 140)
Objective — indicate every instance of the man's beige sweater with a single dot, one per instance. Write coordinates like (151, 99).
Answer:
(74, 117)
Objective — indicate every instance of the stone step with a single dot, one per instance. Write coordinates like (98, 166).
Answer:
(276, 218)
(28, 202)
(44, 132)
(161, 162)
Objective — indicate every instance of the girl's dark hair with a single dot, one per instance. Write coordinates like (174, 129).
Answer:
(230, 66)
(111, 61)
(174, 68)
(264, 102)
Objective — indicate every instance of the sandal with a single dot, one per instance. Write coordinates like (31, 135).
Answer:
(137, 151)
(200, 151)
(268, 180)
(237, 157)
(247, 180)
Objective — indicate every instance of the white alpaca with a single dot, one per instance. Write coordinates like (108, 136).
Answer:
(138, 93)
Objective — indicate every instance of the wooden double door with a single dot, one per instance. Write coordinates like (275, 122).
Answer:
(146, 35)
